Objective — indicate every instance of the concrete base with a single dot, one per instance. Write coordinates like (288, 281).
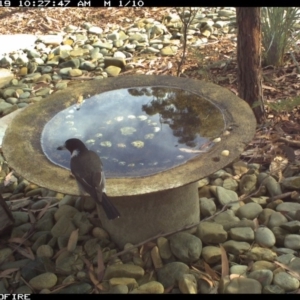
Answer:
(148, 215)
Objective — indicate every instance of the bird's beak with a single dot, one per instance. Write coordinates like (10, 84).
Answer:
(63, 147)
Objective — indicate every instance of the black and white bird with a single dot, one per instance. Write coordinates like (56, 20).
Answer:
(86, 166)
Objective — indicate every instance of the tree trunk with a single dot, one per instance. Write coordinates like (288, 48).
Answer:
(249, 59)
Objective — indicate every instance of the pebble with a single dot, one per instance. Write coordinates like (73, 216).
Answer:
(248, 183)
(242, 286)
(63, 227)
(43, 281)
(185, 246)
(235, 247)
(294, 264)
(276, 219)
(263, 264)
(188, 284)
(170, 273)
(211, 233)
(239, 269)
(289, 207)
(258, 253)
(119, 289)
(4, 254)
(273, 289)
(152, 287)
(65, 211)
(286, 281)
(123, 270)
(292, 241)
(164, 248)
(245, 234)
(211, 254)
(129, 282)
(265, 237)
(226, 196)
(207, 207)
(265, 277)
(292, 226)
(44, 251)
(271, 184)
(249, 211)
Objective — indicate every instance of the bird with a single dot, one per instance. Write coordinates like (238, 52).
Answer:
(86, 166)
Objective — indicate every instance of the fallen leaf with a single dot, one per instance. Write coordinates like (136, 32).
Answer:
(27, 252)
(101, 266)
(290, 271)
(225, 263)
(210, 272)
(6, 272)
(43, 211)
(72, 243)
(8, 179)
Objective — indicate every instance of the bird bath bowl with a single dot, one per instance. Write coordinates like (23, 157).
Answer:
(156, 136)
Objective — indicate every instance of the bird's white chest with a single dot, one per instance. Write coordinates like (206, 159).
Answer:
(75, 153)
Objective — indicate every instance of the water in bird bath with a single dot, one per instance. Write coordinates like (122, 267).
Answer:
(137, 131)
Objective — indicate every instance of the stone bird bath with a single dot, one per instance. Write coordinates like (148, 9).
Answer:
(156, 135)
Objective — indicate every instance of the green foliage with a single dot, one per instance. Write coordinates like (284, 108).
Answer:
(287, 105)
(277, 24)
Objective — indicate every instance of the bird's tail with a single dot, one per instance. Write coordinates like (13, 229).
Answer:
(109, 209)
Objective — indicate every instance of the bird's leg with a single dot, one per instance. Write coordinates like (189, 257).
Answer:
(98, 211)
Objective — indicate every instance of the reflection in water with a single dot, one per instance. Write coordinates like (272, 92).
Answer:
(136, 131)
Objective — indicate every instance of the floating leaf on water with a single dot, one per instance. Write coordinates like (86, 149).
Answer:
(106, 144)
(119, 119)
(217, 140)
(149, 136)
(121, 145)
(225, 153)
(187, 150)
(138, 144)
(156, 129)
(98, 135)
(131, 117)
(90, 141)
(127, 130)
(142, 117)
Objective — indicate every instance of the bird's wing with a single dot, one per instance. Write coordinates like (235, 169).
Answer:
(89, 174)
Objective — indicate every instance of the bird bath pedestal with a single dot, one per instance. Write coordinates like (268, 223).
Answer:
(156, 135)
